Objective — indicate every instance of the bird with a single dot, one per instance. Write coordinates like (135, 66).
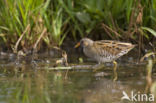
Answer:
(104, 51)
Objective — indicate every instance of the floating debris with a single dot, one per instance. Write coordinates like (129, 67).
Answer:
(63, 60)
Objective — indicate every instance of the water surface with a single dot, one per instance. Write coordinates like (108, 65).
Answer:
(26, 83)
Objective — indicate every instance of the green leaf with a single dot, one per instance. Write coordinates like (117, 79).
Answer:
(83, 17)
(149, 30)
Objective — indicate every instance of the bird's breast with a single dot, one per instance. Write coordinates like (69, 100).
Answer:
(89, 52)
(99, 56)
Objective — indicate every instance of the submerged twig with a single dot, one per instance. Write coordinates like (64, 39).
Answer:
(71, 67)
(58, 68)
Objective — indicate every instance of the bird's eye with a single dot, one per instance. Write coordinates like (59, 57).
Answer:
(83, 43)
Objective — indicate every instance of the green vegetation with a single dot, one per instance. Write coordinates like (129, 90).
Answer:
(25, 20)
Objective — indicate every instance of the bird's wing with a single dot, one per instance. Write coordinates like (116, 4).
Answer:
(115, 48)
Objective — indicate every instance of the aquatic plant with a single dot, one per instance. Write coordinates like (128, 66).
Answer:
(23, 22)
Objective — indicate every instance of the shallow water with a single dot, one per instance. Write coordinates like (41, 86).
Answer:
(26, 83)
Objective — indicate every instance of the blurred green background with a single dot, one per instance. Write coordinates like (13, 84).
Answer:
(25, 20)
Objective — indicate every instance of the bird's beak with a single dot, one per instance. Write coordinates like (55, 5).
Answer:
(77, 45)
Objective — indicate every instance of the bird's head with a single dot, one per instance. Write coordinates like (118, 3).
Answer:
(85, 42)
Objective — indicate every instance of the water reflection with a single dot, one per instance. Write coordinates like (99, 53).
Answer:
(27, 85)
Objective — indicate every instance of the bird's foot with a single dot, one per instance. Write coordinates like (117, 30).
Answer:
(114, 70)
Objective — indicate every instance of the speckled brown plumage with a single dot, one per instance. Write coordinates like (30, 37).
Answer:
(105, 50)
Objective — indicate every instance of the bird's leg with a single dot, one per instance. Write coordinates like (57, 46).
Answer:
(97, 67)
(114, 70)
